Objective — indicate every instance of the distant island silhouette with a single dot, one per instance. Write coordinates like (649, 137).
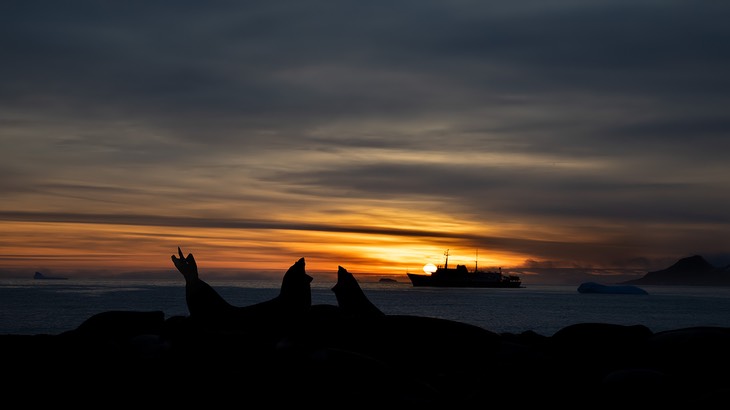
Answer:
(689, 271)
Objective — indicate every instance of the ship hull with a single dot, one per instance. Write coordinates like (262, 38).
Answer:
(430, 281)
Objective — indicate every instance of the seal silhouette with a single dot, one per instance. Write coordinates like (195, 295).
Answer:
(209, 309)
(350, 297)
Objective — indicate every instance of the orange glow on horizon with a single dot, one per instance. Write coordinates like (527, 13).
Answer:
(113, 248)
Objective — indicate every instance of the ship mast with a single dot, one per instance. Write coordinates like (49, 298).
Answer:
(476, 261)
(446, 265)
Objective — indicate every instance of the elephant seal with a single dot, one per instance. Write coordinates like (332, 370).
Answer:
(208, 308)
(350, 297)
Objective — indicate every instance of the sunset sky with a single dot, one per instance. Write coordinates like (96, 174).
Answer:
(371, 135)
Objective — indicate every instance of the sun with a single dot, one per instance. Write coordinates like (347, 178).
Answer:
(429, 268)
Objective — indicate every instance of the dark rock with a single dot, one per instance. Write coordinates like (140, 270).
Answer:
(383, 359)
(121, 324)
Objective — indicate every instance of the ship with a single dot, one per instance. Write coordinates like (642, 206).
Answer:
(461, 277)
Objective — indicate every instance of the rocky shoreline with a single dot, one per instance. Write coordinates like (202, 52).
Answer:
(286, 351)
(329, 358)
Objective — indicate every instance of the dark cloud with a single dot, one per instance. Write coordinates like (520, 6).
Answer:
(589, 113)
(511, 191)
(191, 222)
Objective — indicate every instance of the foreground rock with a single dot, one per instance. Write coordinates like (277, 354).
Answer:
(286, 351)
(334, 358)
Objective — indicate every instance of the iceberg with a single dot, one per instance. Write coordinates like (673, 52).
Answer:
(593, 287)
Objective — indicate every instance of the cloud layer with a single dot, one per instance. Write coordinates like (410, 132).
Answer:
(576, 133)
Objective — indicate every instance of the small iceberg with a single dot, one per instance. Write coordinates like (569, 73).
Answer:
(41, 276)
(593, 287)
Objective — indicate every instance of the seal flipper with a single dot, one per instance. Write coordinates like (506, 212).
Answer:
(186, 265)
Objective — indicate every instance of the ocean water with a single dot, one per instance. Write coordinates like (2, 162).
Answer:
(30, 306)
